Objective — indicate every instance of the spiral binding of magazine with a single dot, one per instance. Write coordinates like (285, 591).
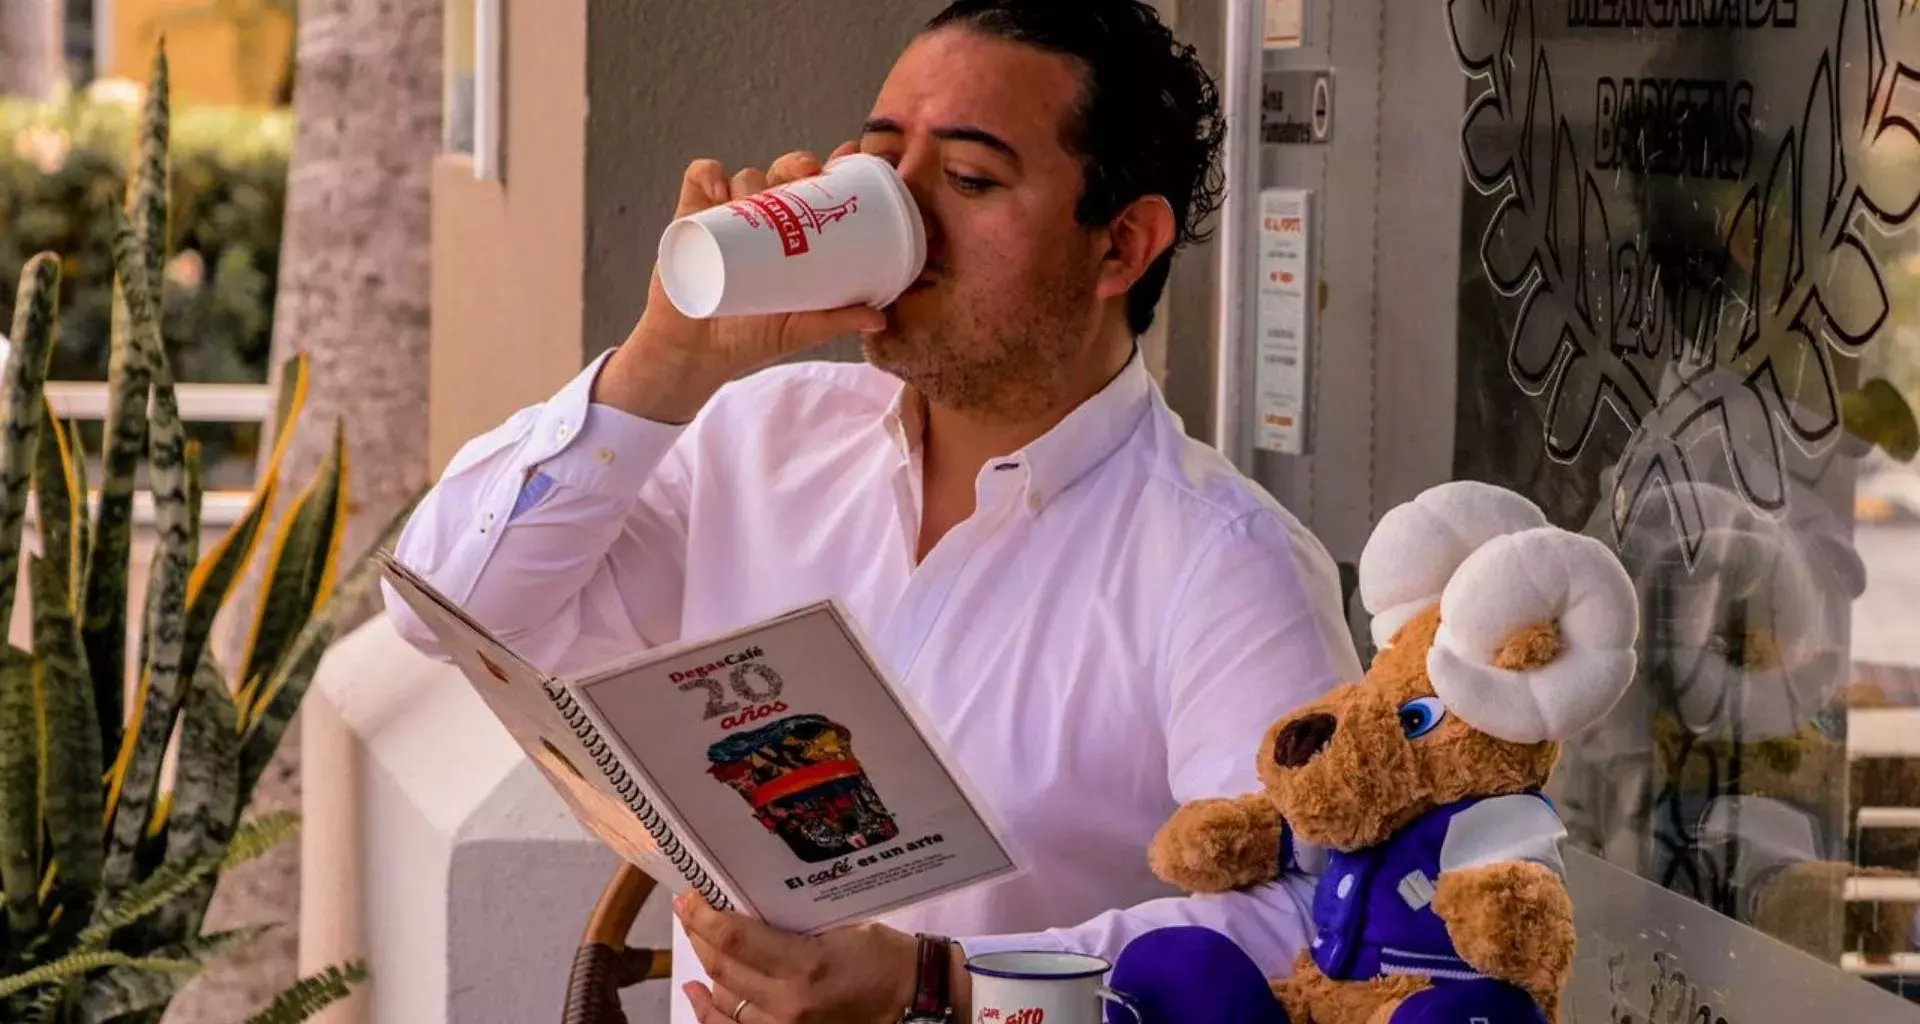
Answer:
(577, 721)
(636, 801)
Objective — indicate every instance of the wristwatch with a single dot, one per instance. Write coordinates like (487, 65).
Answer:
(932, 986)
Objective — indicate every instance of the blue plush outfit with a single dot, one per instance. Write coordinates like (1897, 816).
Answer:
(1373, 916)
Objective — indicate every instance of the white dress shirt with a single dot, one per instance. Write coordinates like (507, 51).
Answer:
(1107, 636)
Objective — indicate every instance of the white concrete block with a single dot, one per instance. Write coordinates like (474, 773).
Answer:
(475, 882)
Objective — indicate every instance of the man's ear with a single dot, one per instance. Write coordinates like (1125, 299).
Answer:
(1135, 238)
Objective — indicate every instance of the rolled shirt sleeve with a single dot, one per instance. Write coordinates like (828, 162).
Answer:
(524, 525)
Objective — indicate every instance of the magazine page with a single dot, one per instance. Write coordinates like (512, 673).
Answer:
(518, 695)
(811, 789)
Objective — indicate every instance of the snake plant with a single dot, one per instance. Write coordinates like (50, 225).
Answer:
(106, 866)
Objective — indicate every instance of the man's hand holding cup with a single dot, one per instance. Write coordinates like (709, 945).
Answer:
(759, 266)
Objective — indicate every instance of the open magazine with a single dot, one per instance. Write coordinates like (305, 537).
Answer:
(774, 768)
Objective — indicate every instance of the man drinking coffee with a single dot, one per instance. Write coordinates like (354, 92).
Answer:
(1098, 614)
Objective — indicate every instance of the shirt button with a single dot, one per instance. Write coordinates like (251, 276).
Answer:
(1033, 501)
(1346, 887)
(605, 455)
(563, 432)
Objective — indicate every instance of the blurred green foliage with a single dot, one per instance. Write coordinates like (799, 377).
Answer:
(63, 166)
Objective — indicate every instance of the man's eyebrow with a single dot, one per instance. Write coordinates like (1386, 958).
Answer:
(953, 133)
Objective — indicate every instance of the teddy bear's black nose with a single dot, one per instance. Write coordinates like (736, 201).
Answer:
(1298, 742)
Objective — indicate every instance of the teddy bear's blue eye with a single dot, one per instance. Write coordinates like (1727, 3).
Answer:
(1421, 715)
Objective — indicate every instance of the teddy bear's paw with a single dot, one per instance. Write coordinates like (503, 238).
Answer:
(1310, 997)
(1513, 921)
(1216, 844)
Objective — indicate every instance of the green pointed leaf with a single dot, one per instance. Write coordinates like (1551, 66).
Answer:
(196, 490)
(213, 579)
(110, 540)
(291, 398)
(64, 460)
(120, 991)
(82, 540)
(19, 793)
(296, 577)
(22, 401)
(152, 851)
(84, 963)
(57, 500)
(311, 994)
(206, 791)
(167, 667)
(72, 801)
(149, 207)
(280, 695)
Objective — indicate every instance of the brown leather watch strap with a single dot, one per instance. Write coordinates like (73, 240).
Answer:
(932, 984)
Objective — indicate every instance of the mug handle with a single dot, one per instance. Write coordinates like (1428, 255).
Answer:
(1121, 1001)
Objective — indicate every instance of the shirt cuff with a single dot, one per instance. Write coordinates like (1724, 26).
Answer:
(595, 448)
(1020, 942)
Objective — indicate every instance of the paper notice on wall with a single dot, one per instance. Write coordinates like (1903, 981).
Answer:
(1283, 320)
(1285, 20)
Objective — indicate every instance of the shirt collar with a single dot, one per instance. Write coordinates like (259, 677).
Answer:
(906, 420)
(1057, 459)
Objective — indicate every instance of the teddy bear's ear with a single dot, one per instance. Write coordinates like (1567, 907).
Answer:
(1416, 547)
(1544, 576)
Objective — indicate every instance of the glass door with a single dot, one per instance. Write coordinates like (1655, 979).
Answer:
(1689, 324)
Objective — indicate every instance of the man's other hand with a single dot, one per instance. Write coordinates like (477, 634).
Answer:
(859, 974)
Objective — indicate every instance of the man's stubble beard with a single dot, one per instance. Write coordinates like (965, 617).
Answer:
(1008, 363)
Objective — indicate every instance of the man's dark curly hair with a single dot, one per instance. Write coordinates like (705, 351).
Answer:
(1149, 121)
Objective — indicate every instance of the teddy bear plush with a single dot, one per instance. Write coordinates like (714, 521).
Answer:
(1415, 792)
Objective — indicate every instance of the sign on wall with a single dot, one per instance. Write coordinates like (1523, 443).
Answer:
(1284, 320)
(1285, 25)
(1296, 107)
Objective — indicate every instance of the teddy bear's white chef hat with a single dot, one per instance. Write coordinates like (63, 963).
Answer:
(1489, 559)
(1416, 547)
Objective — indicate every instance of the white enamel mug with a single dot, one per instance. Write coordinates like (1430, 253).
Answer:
(1037, 987)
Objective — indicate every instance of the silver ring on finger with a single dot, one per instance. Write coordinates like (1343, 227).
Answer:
(739, 1009)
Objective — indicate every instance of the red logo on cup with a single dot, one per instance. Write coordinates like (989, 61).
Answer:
(791, 216)
(1033, 1016)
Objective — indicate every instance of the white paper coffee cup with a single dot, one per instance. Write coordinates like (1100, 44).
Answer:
(851, 235)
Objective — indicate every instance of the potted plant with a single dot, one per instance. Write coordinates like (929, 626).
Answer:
(106, 870)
